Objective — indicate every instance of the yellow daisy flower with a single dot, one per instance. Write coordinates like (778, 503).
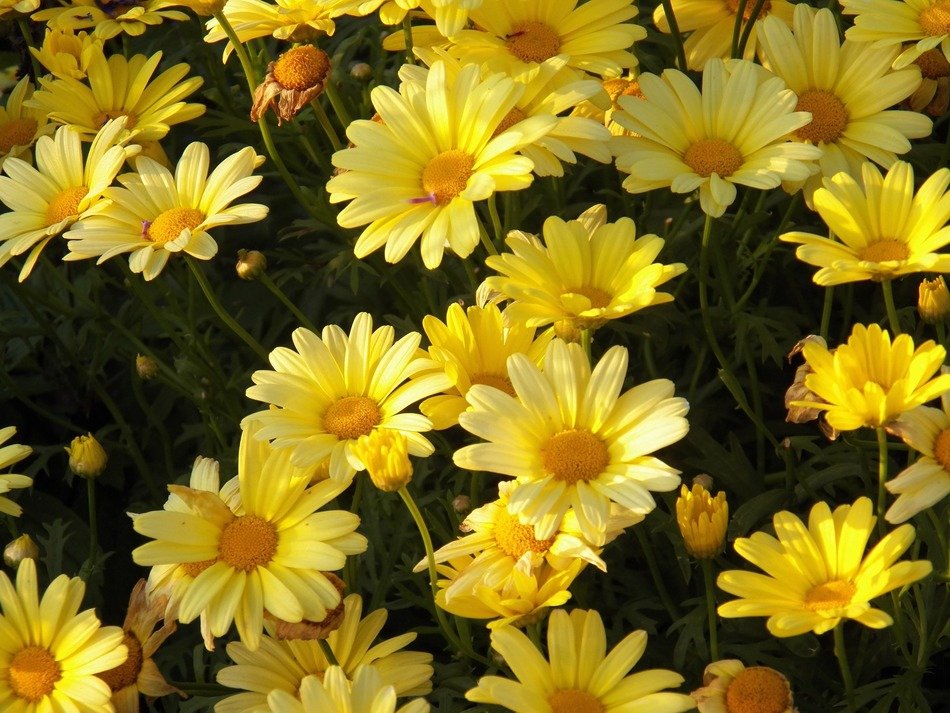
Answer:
(9, 455)
(121, 87)
(63, 189)
(110, 18)
(603, 111)
(730, 687)
(335, 693)
(932, 97)
(733, 132)
(139, 675)
(702, 520)
(816, 576)
(24, 7)
(52, 651)
(283, 664)
(711, 24)
(586, 272)
(336, 387)
(67, 54)
(578, 674)
(869, 381)
(927, 481)
(849, 88)
(594, 36)
(472, 347)
(155, 215)
(450, 16)
(269, 553)
(925, 23)
(573, 440)
(418, 172)
(21, 126)
(880, 231)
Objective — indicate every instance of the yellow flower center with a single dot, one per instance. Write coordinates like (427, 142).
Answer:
(733, 6)
(16, 132)
(248, 542)
(935, 20)
(942, 449)
(933, 64)
(533, 41)
(574, 454)
(65, 204)
(446, 175)
(617, 88)
(301, 68)
(758, 689)
(500, 382)
(511, 118)
(33, 673)
(881, 250)
(128, 673)
(829, 116)
(709, 156)
(831, 595)
(598, 297)
(103, 116)
(193, 569)
(352, 417)
(515, 539)
(572, 701)
(170, 223)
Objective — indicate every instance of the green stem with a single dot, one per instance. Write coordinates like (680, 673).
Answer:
(842, 655)
(677, 35)
(328, 652)
(706, 564)
(336, 101)
(228, 320)
(486, 240)
(737, 28)
(324, 120)
(407, 34)
(747, 30)
(889, 306)
(90, 564)
(826, 312)
(495, 220)
(28, 38)
(881, 478)
(587, 338)
(266, 280)
(647, 548)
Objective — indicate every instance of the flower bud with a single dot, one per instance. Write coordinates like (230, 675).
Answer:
(933, 300)
(461, 504)
(146, 367)
(385, 454)
(361, 71)
(250, 264)
(702, 520)
(22, 548)
(87, 459)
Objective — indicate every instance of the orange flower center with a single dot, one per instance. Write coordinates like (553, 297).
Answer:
(352, 417)
(515, 539)
(65, 205)
(170, 223)
(887, 249)
(942, 449)
(128, 673)
(33, 672)
(933, 64)
(103, 116)
(446, 175)
(16, 132)
(758, 689)
(598, 297)
(302, 68)
(935, 20)
(709, 156)
(500, 382)
(248, 542)
(617, 88)
(829, 116)
(511, 118)
(574, 454)
(193, 569)
(572, 701)
(749, 6)
(835, 594)
(533, 41)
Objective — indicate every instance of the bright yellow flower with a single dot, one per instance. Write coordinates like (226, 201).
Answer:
(155, 215)
(869, 381)
(925, 23)
(730, 687)
(52, 651)
(586, 271)
(385, 455)
(335, 693)
(9, 7)
(109, 18)
(933, 300)
(87, 457)
(9, 455)
(817, 576)
(733, 132)
(284, 664)
(711, 24)
(880, 231)
(852, 120)
(702, 520)
(267, 552)
(417, 174)
(21, 126)
(66, 54)
(573, 440)
(578, 675)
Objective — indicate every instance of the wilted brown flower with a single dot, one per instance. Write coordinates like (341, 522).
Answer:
(799, 392)
(310, 630)
(293, 81)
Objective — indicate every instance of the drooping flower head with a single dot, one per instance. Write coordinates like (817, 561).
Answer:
(815, 576)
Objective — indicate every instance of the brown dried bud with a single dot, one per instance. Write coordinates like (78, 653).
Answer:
(361, 71)
(295, 79)
(250, 264)
(22, 548)
(461, 504)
